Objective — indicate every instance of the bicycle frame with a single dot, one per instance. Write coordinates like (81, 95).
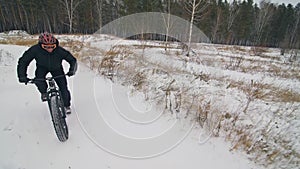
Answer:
(52, 87)
(56, 107)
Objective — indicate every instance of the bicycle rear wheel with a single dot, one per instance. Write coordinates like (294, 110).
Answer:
(58, 118)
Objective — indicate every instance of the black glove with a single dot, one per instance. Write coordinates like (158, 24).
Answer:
(71, 73)
(24, 80)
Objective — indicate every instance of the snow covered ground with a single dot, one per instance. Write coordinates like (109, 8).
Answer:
(136, 105)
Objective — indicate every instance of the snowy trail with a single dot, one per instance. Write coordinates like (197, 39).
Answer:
(108, 129)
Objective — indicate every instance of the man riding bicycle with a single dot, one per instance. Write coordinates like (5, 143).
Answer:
(48, 56)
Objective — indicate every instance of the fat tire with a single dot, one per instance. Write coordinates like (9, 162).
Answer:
(58, 118)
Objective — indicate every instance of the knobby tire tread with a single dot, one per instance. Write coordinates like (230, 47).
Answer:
(58, 118)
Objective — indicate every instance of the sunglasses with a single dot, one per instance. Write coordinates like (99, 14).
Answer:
(52, 46)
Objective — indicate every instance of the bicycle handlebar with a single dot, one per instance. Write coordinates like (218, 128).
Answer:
(33, 81)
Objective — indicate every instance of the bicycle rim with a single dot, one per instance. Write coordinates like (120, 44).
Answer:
(58, 118)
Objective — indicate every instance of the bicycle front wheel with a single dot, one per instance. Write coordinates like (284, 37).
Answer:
(58, 118)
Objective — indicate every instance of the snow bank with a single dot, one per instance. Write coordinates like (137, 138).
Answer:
(14, 33)
(27, 128)
(249, 97)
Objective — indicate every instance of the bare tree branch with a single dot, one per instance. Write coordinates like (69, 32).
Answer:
(70, 6)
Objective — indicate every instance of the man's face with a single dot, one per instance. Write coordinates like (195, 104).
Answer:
(49, 50)
(49, 47)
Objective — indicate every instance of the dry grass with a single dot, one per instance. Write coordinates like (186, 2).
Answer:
(265, 92)
(19, 41)
(241, 49)
(258, 51)
(111, 60)
(243, 141)
(149, 46)
(238, 49)
(4, 42)
(284, 96)
(210, 117)
(291, 73)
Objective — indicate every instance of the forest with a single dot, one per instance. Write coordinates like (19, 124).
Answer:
(238, 22)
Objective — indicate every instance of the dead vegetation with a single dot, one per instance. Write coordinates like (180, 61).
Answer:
(265, 92)
(124, 65)
(19, 41)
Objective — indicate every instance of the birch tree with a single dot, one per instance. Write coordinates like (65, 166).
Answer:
(233, 13)
(264, 16)
(2, 19)
(196, 9)
(167, 24)
(70, 7)
(217, 24)
(99, 7)
(295, 29)
(20, 2)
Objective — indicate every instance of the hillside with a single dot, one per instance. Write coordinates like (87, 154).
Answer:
(249, 97)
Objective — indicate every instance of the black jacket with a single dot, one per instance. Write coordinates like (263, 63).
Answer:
(51, 61)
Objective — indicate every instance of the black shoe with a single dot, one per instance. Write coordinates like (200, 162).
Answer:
(44, 97)
(68, 110)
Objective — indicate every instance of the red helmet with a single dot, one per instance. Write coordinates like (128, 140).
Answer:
(47, 38)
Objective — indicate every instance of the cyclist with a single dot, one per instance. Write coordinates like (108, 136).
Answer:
(48, 56)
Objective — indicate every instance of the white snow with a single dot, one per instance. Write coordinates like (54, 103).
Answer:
(112, 126)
